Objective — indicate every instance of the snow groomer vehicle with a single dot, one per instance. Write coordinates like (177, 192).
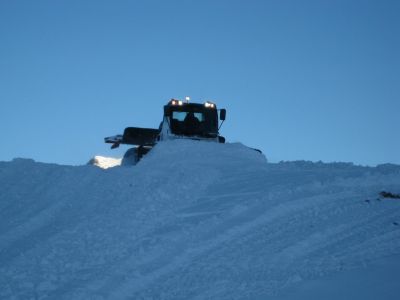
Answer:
(181, 120)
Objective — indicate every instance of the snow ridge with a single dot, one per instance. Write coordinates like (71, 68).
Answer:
(192, 220)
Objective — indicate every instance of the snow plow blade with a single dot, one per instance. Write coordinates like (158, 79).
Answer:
(140, 136)
(134, 136)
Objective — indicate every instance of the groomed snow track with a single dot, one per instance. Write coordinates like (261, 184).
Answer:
(192, 220)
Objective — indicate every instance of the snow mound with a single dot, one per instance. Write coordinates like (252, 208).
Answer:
(192, 220)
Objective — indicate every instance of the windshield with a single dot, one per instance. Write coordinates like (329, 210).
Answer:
(194, 121)
(181, 115)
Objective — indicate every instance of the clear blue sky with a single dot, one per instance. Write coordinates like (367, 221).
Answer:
(312, 80)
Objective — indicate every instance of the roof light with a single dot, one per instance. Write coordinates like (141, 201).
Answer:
(209, 104)
(176, 102)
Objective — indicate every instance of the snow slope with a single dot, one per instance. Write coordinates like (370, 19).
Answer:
(194, 220)
(105, 162)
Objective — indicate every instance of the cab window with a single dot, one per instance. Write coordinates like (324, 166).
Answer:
(181, 115)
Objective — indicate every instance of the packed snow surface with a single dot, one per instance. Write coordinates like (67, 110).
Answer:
(197, 220)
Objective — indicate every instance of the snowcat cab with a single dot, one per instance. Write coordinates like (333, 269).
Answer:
(191, 120)
(182, 120)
